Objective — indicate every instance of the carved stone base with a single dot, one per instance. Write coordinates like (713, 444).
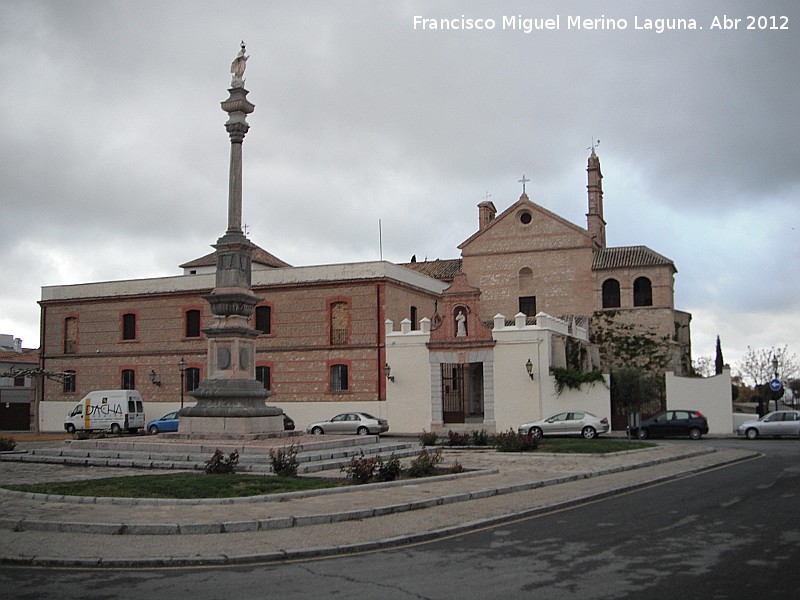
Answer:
(230, 426)
(231, 406)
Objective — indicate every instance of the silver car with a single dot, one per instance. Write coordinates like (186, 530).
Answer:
(576, 422)
(355, 423)
(779, 422)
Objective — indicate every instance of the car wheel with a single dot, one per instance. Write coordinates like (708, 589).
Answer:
(70, 429)
(317, 431)
(589, 433)
(362, 430)
(153, 429)
(752, 433)
(115, 428)
(536, 432)
(695, 433)
(643, 435)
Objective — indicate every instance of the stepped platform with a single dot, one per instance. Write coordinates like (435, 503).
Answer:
(166, 451)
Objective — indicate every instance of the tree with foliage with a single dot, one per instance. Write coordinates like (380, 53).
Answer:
(719, 362)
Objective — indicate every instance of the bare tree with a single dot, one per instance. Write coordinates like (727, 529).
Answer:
(703, 366)
(756, 368)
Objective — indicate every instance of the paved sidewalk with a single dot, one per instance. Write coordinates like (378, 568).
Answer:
(57, 531)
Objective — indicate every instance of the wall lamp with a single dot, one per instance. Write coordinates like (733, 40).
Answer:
(387, 370)
(153, 378)
(529, 368)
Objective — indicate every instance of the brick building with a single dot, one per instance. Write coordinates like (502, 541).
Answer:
(323, 341)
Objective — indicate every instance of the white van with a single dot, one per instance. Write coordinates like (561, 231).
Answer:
(107, 409)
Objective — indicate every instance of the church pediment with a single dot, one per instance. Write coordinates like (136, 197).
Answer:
(526, 226)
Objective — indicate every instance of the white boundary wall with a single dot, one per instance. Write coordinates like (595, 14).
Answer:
(710, 395)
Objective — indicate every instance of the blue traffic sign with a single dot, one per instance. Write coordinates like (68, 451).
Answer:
(775, 385)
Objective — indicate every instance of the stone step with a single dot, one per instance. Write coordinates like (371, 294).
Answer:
(316, 460)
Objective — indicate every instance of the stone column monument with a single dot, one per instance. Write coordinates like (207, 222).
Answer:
(231, 401)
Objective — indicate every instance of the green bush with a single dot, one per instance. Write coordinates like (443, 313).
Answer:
(389, 470)
(284, 460)
(425, 463)
(7, 443)
(361, 469)
(457, 439)
(511, 441)
(428, 438)
(219, 464)
(480, 438)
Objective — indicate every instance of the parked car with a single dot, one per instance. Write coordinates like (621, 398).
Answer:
(350, 423)
(672, 423)
(776, 423)
(169, 422)
(567, 423)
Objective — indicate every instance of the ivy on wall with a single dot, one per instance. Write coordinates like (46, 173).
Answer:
(624, 346)
(574, 378)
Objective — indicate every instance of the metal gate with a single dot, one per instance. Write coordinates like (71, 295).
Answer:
(454, 393)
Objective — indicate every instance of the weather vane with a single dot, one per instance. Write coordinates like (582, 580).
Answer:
(595, 144)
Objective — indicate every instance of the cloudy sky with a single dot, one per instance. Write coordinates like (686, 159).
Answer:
(114, 156)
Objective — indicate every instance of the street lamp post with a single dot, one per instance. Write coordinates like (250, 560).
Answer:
(775, 372)
(182, 367)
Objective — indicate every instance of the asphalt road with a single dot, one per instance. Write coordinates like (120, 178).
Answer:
(729, 533)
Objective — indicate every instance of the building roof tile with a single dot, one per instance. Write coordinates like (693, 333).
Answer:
(628, 256)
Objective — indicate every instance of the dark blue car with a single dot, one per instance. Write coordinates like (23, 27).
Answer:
(670, 423)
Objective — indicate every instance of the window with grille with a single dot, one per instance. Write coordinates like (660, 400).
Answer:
(69, 382)
(340, 321)
(192, 323)
(192, 378)
(263, 375)
(128, 379)
(70, 335)
(129, 327)
(264, 319)
(339, 378)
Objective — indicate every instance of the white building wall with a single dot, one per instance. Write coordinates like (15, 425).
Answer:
(710, 395)
(408, 398)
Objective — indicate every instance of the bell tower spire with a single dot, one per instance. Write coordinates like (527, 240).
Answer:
(594, 218)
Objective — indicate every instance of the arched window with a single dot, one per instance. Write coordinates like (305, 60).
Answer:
(525, 280)
(642, 292)
(611, 297)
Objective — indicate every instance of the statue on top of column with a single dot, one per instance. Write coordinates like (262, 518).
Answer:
(237, 68)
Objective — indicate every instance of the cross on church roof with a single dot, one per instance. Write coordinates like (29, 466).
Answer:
(523, 181)
(487, 196)
(594, 145)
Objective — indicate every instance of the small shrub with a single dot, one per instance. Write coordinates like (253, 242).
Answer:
(428, 438)
(361, 469)
(425, 463)
(511, 441)
(389, 470)
(7, 443)
(480, 438)
(457, 439)
(456, 467)
(219, 464)
(284, 460)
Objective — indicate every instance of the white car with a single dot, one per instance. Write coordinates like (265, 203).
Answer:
(350, 423)
(578, 422)
(779, 422)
